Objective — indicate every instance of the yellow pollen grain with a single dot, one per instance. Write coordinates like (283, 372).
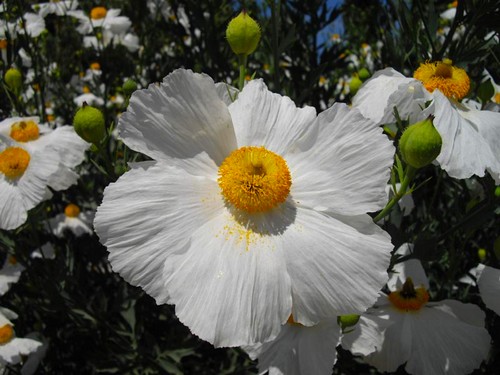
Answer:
(24, 131)
(14, 161)
(254, 179)
(72, 210)
(442, 75)
(6, 334)
(98, 13)
(409, 298)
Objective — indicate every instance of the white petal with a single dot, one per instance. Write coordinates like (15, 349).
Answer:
(442, 344)
(14, 349)
(464, 152)
(337, 266)
(231, 287)
(9, 274)
(180, 118)
(489, 288)
(63, 178)
(226, 92)
(150, 213)
(411, 268)
(262, 118)
(367, 336)
(342, 164)
(13, 211)
(300, 350)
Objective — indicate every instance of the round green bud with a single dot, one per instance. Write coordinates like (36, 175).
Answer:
(481, 254)
(363, 74)
(346, 321)
(243, 34)
(420, 143)
(13, 79)
(354, 85)
(89, 124)
(129, 86)
(497, 191)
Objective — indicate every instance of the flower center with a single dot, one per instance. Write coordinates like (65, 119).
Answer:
(14, 161)
(293, 322)
(442, 75)
(409, 298)
(254, 179)
(6, 334)
(72, 210)
(12, 260)
(3, 43)
(24, 131)
(98, 13)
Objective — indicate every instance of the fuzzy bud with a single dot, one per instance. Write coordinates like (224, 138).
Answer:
(354, 85)
(14, 80)
(346, 321)
(363, 74)
(481, 254)
(420, 143)
(129, 87)
(243, 34)
(89, 124)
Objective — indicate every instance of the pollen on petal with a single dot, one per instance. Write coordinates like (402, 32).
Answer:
(24, 131)
(6, 334)
(14, 161)
(254, 179)
(442, 75)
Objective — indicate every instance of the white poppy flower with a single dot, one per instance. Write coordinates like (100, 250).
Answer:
(489, 287)
(10, 273)
(107, 19)
(88, 98)
(59, 8)
(246, 208)
(72, 219)
(34, 25)
(299, 350)
(445, 337)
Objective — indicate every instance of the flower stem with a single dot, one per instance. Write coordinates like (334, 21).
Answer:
(242, 60)
(410, 173)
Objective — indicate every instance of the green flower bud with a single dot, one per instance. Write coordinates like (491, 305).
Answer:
(346, 321)
(497, 191)
(89, 124)
(14, 80)
(129, 87)
(243, 34)
(363, 74)
(354, 85)
(420, 143)
(481, 254)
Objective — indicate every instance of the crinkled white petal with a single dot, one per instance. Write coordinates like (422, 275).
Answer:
(299, 350)
(342, 164)
(489, 287)
(410, 268)
(263, 118)
(337, 265)
(226, 92)
(387, 89)
(13, 211)
(12, 351)
(179, 118)
(464, 151)
(366, 337)
(149, 214)
(231, 287)
(9, 274)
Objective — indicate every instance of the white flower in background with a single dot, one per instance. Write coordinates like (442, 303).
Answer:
(10, 273)
(34, 25)
(449, 14)
(489, 287)
(299, 350)
(128, 40)
(12, 348)
(469, 136)
(100, 17)
(34, 136)
(47, 251)
(445, 337)
(246, 208)
(406, 204)
(31, 364)
(59, 8)
(74, 220)
(88, 98)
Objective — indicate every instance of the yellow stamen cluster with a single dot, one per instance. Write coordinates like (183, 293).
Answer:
(6, 334)
(254, 179)
(409, 298)
(24, 131)
(72, 210)
(98, 13)
(442, 75)
(12, 260)
(14, 161)
(293, 322)
(95, 66)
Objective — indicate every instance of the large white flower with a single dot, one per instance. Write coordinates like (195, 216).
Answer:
(470, 136)
(445, 337)
(250, 212)
(299, 350)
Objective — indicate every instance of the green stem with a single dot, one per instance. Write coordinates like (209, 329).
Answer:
(410, 173)
(242, 60)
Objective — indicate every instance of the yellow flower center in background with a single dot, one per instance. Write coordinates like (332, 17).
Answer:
(254, 179)
(12, 260)
(14, 161)
(72, 210)
(95, 66)
(6, 334)
(442, 75)
(24, 131)
(3, 43)
(98, 13)
(409, 298)
(497, 98)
